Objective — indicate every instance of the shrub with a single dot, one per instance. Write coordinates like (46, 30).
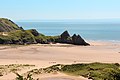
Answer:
(19, 77)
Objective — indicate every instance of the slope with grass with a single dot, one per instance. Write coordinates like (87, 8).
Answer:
(94, 71)
(7, 25)
(11, 33)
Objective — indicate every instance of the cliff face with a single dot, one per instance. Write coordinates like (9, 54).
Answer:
(7, 25)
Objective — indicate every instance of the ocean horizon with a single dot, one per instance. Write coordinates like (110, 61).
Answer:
(102, 31)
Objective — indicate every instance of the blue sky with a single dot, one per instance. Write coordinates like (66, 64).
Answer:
(59, 9)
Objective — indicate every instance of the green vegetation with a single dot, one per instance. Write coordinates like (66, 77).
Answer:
(7, 25)
(17, 37)
(23, 36)
(94, 71)
(26, 37)
(11, 33)
(46, 39)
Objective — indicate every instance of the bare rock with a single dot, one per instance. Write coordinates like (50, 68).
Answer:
(77, 40)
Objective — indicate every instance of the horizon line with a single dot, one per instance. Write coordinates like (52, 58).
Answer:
(69, 20)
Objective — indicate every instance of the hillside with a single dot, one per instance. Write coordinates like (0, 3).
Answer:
(11, 33)
(7, 25)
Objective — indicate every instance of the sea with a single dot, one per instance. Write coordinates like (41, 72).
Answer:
(89, 31)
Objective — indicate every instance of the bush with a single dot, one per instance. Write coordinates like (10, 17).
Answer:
(19, 77)
(95, 71)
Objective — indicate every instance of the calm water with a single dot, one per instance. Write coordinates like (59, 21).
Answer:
(92, 31)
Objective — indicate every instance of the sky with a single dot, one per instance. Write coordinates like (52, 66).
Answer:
(59, 9)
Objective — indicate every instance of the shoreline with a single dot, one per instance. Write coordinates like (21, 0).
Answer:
(34, 47)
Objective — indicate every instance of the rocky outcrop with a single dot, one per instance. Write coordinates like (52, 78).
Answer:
(75, 39)
(65, 37)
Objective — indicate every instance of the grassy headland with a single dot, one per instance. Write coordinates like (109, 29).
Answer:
(11, 33)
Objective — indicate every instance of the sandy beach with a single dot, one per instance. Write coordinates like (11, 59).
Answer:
(50, 54)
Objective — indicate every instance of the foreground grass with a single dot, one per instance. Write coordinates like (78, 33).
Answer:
(94, 71)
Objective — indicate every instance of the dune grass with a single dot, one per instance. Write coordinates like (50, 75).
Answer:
(94, 71)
